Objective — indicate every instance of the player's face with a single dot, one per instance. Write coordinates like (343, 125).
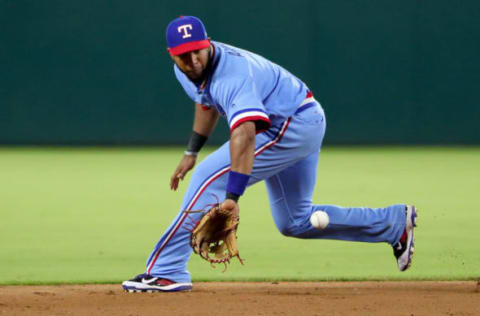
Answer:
(193, 63)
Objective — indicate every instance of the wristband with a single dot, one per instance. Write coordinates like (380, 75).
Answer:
(196, 142)
(237, 182)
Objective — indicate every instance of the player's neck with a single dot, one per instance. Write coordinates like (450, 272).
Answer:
(202, 81)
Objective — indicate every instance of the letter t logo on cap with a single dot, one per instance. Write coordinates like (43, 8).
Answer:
(185, 34)
(184, 28)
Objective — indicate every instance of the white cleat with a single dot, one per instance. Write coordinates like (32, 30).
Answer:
(150, 284)
(404, 249)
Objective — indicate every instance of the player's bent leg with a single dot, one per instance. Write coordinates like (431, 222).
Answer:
(290, 193)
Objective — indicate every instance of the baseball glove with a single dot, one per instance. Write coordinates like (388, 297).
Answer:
(216, 233)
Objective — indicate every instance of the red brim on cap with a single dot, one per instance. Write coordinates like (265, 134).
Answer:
(187, 47)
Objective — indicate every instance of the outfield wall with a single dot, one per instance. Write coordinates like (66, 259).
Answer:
(97, 72)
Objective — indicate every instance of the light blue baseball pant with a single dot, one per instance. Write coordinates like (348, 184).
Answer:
(286, 159)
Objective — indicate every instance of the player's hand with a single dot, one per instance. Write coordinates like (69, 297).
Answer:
(184, 166)
(229, 205)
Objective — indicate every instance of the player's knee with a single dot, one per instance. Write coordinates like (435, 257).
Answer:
(285, 224)
(286, 228)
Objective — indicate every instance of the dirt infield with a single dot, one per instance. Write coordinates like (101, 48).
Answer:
(284, 298)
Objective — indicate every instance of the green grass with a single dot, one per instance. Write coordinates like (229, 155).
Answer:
(92, 215)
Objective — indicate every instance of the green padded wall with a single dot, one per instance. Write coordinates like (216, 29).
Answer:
(97, 72)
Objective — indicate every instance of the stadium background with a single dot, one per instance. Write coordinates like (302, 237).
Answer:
(394, 78)
(97, 72)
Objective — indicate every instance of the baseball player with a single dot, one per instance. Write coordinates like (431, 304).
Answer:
(276, 133)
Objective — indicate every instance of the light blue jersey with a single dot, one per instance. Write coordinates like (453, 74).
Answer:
(244, 86)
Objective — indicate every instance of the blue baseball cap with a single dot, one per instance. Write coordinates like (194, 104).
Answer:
(185, 34)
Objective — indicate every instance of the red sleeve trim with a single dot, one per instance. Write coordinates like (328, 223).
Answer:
(206, 108)
(263, 126)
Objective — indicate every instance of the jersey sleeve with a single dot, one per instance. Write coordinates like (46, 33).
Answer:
(239, 97)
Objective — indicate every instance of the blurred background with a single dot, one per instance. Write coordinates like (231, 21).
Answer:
(98, 73)
(93, 123)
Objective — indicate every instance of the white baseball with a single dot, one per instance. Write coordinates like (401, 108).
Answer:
(319, 219)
